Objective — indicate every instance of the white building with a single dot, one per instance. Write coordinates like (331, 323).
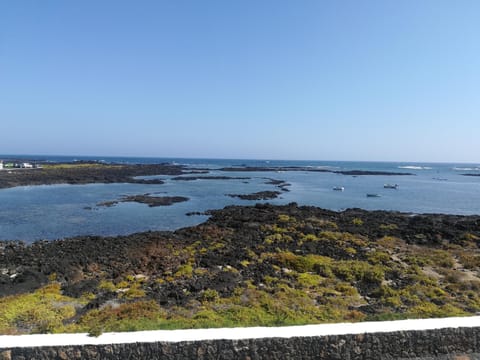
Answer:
(1, 165)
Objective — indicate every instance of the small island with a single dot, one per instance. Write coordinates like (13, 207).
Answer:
(151, 201)
(261, 195)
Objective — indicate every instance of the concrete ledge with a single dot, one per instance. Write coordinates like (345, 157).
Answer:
(448, 338)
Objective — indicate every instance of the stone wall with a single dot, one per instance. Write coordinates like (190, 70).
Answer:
(442, 344)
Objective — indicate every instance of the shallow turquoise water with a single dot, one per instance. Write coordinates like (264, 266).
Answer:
(50, 212)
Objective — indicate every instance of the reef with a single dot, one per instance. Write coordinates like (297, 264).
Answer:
(260, 195)
(151, 201)
(310, 169)
(191, 178)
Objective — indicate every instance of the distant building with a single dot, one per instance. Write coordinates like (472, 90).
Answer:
(1, 165)
(26, 165)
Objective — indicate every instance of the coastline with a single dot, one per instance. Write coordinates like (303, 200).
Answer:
(249, 266)
(89, 172)
(86, 173)
(256, 265)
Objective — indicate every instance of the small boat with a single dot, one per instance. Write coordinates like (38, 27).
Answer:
(374, 195)
(390, 186)
(338, 188)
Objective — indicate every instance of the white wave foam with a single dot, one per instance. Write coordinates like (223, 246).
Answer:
(413, 167)
(466, 168)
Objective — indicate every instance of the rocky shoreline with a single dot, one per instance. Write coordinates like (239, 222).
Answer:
(310, 169)
(249, 265)
(245, 266)
(87, 173)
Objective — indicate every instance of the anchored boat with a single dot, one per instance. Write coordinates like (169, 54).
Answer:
(390, 186)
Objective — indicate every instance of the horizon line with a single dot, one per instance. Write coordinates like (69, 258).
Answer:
(234, 158)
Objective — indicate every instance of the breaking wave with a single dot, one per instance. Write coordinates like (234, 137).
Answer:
(466, 168)
(412, 167)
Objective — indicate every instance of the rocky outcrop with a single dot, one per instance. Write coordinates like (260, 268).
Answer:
(78, 262)
(261, 195)
(151, 201)
(87, 174)
(192, 178)
(310, 169)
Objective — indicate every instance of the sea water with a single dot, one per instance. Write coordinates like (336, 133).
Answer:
(32, 213)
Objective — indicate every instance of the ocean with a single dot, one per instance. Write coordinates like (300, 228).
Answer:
(49, 212)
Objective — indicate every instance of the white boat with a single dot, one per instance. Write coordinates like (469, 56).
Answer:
(338, 188)
(390, 186)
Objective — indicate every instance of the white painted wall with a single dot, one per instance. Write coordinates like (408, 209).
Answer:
(9, 341)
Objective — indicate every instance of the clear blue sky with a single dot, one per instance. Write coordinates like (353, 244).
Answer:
(276, 79)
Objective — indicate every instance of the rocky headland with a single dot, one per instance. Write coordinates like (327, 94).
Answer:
(86, 173)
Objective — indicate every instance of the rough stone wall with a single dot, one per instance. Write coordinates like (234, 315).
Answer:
(444, 344)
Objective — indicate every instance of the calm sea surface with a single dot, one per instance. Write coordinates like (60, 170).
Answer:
(56, 211)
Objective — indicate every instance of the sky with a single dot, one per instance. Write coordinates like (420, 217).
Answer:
(372, 80)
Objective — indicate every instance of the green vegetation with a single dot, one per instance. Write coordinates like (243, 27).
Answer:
(42, 311)
(388, 227)
(357, 221)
